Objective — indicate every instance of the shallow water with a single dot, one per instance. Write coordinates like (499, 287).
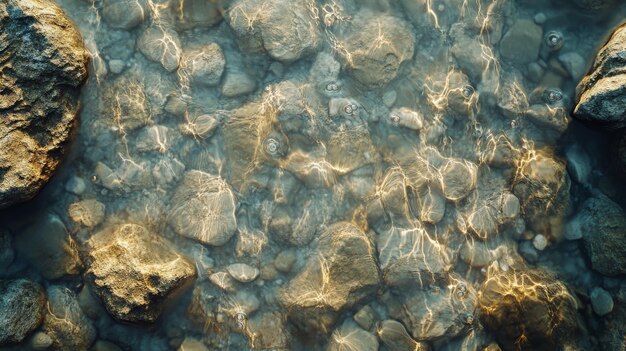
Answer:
(441, 142)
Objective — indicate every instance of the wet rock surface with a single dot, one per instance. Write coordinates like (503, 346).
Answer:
(134, 271)
(40, 90)
(22, 302)
(330, 175)
(600, 95)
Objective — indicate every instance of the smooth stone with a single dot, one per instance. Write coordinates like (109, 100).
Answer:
(203, 66)
(41, 341)
(575, 65)
(285, 260)
(65, 322)
(242, 272)
(123, 14)
(223, 280)
(601, 301)
(161, 45)
(237, 83)
(522, 42)
(192, 344)
(350, 337)
(116, 66)
(76, 185)
(395, 337)
(365, 317)
(540, 242)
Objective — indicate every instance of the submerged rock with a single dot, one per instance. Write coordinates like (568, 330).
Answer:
(601, 301)
(123, 14)
(203, 66)
(409, 256)
(161, 45)
(395, 337)
(522, 42)
(49, 247)
(21, 303)
(66, 323)
(543, 188)
(601, 95)
(190, 14)
(203, 208)
(602, 224)
(350, 337)
(375, 48)
(269, 332)
(44, 64)
(341, 272)
(529, 310)
(438, 313)
(284, 29)
(135, 271)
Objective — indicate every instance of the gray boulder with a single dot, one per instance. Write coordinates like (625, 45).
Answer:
(601, 95)
(21, 303)
(341, 272)
(602, 225)
(44, 64)
(135, 271)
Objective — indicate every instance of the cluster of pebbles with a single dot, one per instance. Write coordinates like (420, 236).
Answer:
(327, 175)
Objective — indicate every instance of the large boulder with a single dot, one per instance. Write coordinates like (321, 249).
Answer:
(602, 225)
(529, 310)
(341, 272)
(43, 64)
(21, 303)
(134, 271)
(601, 95)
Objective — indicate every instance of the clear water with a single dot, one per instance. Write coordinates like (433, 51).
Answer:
(305, 149)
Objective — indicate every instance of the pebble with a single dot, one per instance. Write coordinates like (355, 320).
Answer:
(191, 344)
(116, 66)
(285, 260)
(365, 317)
(540, 242)
(40, 341)
(574, 64)
(76, 185)
(601, 301)
(527, 250)
(237, 83)
(242, 272)
(521, 43)
(89, 212)
(540, 18)
(223, 280)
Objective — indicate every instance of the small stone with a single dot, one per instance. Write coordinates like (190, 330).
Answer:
(390, 97)
(601, 301)
(237, 83)
(365, 317)
(203, 209)
(191, 344)
(268, 272)
(527, 250)
(458, 179)
(116, 66)
(203, 66)
(76, 185)
(242, 272)
(175, 105)
(350, 337)
(196, 14)
(22, 303)
(40, 341)
(89, 212)
(476, 254)
(270, 332)
(521, 43)
(540, 18)
(123, 14)
(65, 322)
(223, 280)
(161, 45)
(285, 260)
(395, 337)
(509, 206)
(535, 72)
(540, 242)
(575, 65)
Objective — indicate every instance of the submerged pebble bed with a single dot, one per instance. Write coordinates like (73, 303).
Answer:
(327, 175)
